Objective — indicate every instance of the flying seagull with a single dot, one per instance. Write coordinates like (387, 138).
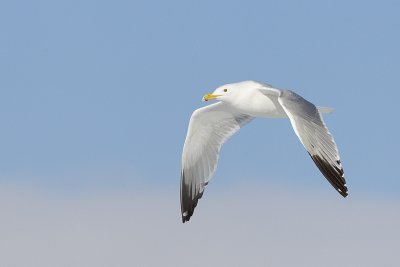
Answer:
(239, 103)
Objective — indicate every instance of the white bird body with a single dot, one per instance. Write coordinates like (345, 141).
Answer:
(211, 126)
(253, 102)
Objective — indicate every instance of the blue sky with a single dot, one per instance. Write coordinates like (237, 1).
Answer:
(95, 96)
(93, 87)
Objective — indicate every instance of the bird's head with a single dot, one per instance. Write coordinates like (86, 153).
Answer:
(229, 92)
(221, 93)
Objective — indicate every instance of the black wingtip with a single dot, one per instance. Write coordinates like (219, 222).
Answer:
(345, 193)
(188, 200)
(185, 218)
(188, 205)
(334, 175)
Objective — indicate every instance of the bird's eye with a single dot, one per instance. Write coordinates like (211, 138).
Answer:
(225, 90)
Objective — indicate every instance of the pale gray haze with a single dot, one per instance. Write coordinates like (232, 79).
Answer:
(238, 227)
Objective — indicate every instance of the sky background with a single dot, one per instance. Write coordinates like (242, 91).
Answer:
(95, 98)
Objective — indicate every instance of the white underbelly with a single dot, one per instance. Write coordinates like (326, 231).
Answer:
(261, 106)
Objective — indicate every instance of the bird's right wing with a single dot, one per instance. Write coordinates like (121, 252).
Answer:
(309, 126)
(209, 128)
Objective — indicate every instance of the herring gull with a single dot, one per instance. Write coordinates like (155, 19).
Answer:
(239, 103)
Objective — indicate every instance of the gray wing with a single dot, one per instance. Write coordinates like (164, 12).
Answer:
(209, 128)
(309, 126)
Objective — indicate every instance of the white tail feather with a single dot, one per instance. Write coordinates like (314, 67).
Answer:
(325, 109)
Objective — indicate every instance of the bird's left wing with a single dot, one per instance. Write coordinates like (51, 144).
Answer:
(310, 128)
(209, 128)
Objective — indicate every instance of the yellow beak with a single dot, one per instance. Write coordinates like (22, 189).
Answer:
(209, 96)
